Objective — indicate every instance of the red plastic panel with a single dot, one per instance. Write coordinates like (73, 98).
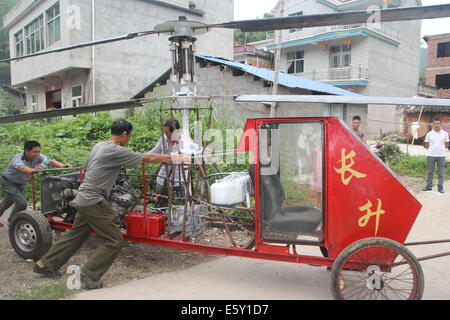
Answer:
(364, 198)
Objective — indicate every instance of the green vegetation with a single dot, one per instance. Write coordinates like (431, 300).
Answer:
(7, 106)
(71, 140)
(249, 37)
(52, 291)
(402, 163)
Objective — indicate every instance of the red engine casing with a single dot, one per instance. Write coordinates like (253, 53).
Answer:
(152, 226)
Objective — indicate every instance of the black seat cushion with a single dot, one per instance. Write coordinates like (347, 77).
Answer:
(295, 220)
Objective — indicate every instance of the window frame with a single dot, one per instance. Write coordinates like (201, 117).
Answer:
(50, 24)
(19, 44)
(340, 56)
(76, 98)
(33, 30)
(34, 102)
(296, 59)
(276, 156)
(443, 50)
(296, 14)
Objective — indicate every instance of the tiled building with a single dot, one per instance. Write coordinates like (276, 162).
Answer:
(105, 73)
(372, 59)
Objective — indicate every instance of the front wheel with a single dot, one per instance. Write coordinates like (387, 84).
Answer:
(30, 234)
(377, 269)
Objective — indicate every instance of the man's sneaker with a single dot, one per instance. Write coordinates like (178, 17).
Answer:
(89, 283)
(426, 189)
(46, 272)
(441, 191)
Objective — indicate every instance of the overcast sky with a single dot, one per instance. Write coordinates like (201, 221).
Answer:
(250, 9)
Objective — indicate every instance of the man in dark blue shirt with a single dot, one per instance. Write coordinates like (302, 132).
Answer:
(19, 172)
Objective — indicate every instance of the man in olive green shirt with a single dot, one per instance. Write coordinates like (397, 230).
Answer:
(94, 213)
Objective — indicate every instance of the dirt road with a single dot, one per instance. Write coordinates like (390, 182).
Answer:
(247, 279)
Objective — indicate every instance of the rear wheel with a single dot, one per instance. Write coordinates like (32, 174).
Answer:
(377, 269)
(30, 234)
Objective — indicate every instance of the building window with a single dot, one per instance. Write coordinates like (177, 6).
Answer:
(300, 13)
(34, 102)
(341, 56)
(77, 94)
(18, 41)
(334, 110)
(296, 61)
(53, 24)
(443, 81)
(443, 50)
(34, 35)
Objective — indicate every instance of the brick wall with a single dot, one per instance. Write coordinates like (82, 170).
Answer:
(444, 93)
(437, 65)
(433, 60)
(426, 121)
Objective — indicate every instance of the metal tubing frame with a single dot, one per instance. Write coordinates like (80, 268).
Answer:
(237, 252)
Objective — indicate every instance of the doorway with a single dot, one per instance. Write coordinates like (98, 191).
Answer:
(53, 99)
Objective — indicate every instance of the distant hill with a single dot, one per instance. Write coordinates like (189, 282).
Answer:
(423, 62)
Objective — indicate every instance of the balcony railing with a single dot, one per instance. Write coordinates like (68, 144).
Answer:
(337, 74)
(383, 28)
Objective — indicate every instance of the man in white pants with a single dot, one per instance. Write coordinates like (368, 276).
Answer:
(437, 143)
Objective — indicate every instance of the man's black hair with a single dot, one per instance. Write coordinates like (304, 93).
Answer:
(172, 124)
(30, 145)
(121, 126)
(357, 118)
(436, 120)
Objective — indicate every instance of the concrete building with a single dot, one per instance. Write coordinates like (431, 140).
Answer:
(222, 79)
(373, 59)
(438, 68)
(105, 73)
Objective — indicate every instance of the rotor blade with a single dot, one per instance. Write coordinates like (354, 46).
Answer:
(70, 111)
(86, 44)
(341, 18)
(345, 100)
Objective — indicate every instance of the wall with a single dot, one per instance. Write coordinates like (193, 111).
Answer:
(214, 82)
(121, 69)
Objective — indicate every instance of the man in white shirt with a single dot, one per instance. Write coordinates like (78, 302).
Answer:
(436, 142)
(173, 142)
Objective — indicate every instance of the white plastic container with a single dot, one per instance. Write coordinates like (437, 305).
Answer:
(232, 190)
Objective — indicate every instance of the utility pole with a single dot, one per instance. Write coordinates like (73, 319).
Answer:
(279, 38)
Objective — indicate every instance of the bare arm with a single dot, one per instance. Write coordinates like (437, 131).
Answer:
(162, 158)
(57, 164)
(27, 170)
(447, 144)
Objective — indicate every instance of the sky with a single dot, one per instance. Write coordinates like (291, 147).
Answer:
(251, 9)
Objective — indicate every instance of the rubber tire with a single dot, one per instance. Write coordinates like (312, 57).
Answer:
(43, 234)
(347, 252)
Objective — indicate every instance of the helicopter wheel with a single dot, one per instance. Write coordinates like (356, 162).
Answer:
(377, 269)
(30, 234)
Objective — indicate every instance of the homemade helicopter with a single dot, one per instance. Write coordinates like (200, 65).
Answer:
(328, 197)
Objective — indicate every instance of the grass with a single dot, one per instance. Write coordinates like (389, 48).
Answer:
(52, 291)
(413, 166)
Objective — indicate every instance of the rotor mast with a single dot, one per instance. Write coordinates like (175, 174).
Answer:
(184, 82)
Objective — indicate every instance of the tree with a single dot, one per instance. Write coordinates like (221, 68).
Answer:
(248, 37)
(7, 106)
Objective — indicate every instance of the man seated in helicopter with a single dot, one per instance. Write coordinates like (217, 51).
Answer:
(173, 142)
